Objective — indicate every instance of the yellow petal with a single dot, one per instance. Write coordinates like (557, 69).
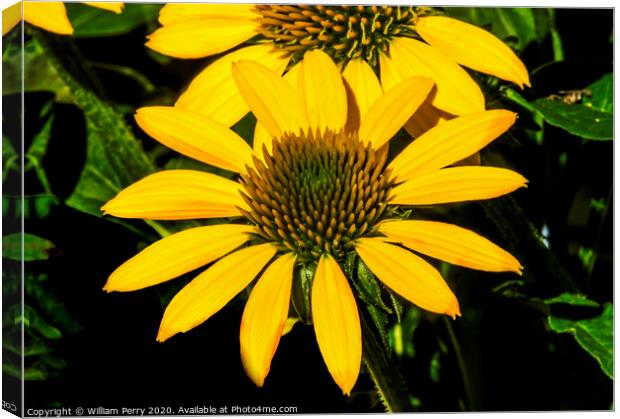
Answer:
(195, 136)
(109, 6)
(473, 47)
(457, 184)
(199, 38)
(264, 318)
(408, 275)
(450, 142)
(271, 98)
(451, 244)
(336, 323)
(426, 117)
(11, 16)
(456, 92)
(178, 12)
(363, 89)
(206, 294)
(176, 255)
(51, 16)
(261, 135)
(323, 98)
(178, 195)
(389, 113)
(214, 93)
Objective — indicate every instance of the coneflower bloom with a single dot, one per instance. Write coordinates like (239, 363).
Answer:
(319, 190)
(51, 16)
(394, 42)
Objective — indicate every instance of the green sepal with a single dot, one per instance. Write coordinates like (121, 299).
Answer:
(302, 289)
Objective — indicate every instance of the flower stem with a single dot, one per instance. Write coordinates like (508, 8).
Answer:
(388, 379)
(461, 361)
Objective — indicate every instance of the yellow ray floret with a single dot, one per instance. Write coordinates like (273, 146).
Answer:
(195, 38)
(323, 99)
(51, 16)
(336, 323)
(176, 255)
(213, 92)
(390, 112)
(457, 184)
(426, 117)
(195, 136)
(450, 142)
(177, 195)
(11, 16)
(473, 47)
(179, 12)
(408, 275)
(364, 85)
(451, 244)
(264, 317)
(109, 6)
(457, 93)
(206, 294)
(271, 98)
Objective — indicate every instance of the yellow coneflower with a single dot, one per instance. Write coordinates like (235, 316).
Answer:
(319, 190)
(394, 42)
(51, 16)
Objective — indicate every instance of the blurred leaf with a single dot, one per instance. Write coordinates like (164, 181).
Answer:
(578, 120)
(522, 24)
(602, 94)
(93, 22)
(401, 335)
(587, 256)
(594, 335)
(10, 158)
(45, 300)
(35, 247)
(14, 370)
(435, 367)
(39, 75)
(34, 374)
(34, 321)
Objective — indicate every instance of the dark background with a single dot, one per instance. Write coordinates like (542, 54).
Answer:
(513, 361)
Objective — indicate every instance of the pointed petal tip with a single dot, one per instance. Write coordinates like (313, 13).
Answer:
(162, 335)
(453, 309)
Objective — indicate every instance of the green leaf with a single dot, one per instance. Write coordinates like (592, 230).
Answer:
(93, 22)
(521, 25)
(602, 94)
(114, 157)
(579, 120)
(10, 158)
(572, 299)
(35, 247)
(36, 152)
(594, 335)
(38, 76)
